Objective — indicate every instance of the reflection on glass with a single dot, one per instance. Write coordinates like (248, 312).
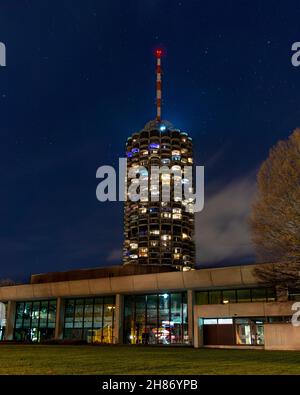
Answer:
(155, 319)
(78, 319)
(27, 314)
(215, 297)
(35, 321)
(176, 318)
(249, 331)
(90, 319)
(152, 319)
(164, 323)
(259, 295)
(244, 295)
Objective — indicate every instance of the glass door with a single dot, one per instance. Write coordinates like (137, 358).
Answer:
(249, 331)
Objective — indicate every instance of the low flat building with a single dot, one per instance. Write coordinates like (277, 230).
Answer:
(216, 307)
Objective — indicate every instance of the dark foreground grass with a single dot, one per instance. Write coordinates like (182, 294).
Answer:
(52, 359)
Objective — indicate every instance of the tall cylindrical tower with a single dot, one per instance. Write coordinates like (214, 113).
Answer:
(159, 231)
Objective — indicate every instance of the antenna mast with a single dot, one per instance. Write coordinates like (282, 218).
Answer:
(158, 54)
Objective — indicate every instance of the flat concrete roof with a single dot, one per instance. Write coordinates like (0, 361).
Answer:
(225, 277)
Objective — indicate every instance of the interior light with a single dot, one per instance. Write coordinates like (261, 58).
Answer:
(162, 128)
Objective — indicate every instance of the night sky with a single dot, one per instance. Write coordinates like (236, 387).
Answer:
(80, 79)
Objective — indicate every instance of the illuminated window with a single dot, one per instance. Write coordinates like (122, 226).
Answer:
(166, 215)
(133, 246)
(190, 160)
(154, 232)
(90, 319)
(35, 321)
(210, 321)
(177, 216)
(133, 256)
(166, 237)
(153, 146)
(165, 161)
(185, 236)
(154, 243)
(143, 210)
(177, 179)
(144, 152)
(176, 210)
(190, 208)
(165, 178)
(166, 244)
(176, 256)
(155, 319)
(143, 252)
(177, 250)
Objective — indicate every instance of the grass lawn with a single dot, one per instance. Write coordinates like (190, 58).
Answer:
(59, 359)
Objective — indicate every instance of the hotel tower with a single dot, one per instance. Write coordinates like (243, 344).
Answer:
(158, 230)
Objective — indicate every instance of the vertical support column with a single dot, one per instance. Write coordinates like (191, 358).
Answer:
(196, 334)
(10, 320)
(59, 323)
(119, 316)
(198, 331)
(190, 307)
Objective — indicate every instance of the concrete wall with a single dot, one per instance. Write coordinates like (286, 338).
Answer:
(282, 337)
(59, 323)
(237, 276)
(277, 336)
(10, 320)
(259, 309)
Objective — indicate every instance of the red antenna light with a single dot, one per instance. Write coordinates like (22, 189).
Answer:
(158, 54)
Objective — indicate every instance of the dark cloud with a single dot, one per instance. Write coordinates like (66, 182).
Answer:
(222, 232)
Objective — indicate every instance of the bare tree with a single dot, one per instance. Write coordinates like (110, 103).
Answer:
(275, 217)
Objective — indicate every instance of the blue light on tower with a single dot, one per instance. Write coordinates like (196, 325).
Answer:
(162, 128)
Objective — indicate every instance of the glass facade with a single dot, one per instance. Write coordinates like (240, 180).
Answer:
(294, 294)
(156, 319)
(35, 321)
(90, 319)
(235, 296)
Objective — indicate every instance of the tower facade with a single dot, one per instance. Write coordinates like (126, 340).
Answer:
(159, 229)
